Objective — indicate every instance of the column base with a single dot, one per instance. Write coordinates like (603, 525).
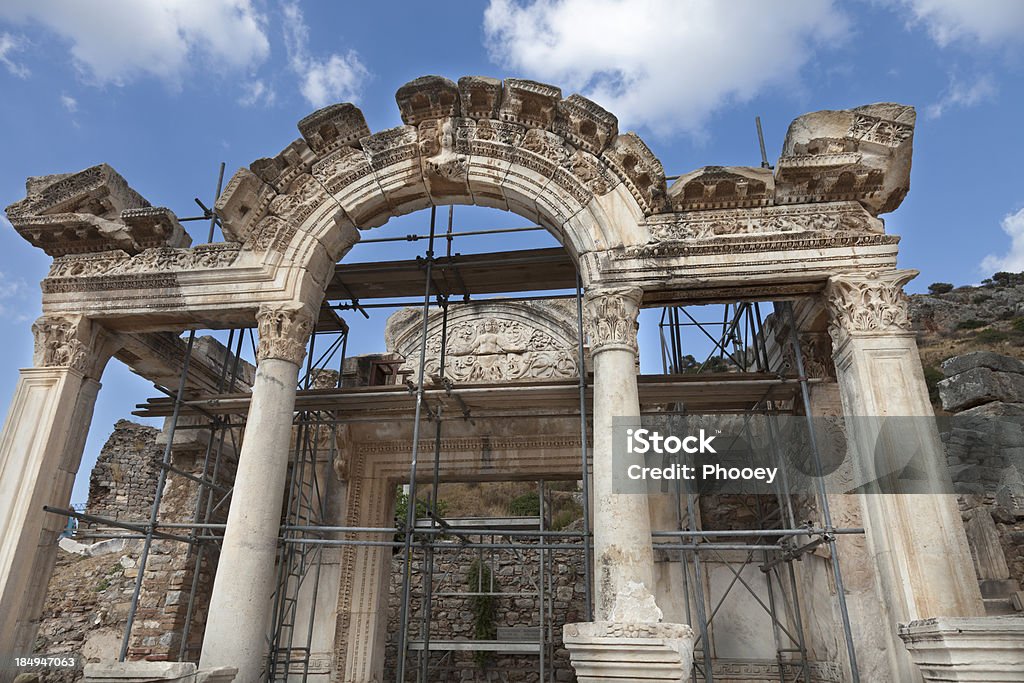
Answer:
(611, 651)
(149, 672)
(968, 649)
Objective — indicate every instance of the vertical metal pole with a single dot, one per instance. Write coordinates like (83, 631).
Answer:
(760, 140)
(588, 569)
(155, 509)
(698, 579)
(213, 218)
(410, 517)
(822, 493)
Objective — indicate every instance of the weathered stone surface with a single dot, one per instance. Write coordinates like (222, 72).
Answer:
(722, 187)
(426, 98)
(982, 359)
(123, 481)
(974, 650)
(334, 126)
(862, 154)
(89, 211)
(979, 385)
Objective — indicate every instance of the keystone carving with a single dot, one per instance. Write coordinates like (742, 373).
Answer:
(611, 317)
(283, 333)
(870, 303)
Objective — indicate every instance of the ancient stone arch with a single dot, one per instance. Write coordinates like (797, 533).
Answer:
(124, 282)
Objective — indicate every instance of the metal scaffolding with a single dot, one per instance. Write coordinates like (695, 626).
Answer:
(738, 357)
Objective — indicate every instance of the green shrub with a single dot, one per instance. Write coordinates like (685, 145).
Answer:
(940, 288)
(992, 336)
(1017, 324)
(980, 298)
(970, 324)
(526, 505)
(483, 605)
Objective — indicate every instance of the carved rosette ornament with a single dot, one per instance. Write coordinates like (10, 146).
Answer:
(58, 344)
(868, 304)
(283, 333)
(611, 316)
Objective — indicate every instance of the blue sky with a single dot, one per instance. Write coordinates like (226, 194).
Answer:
(165, 91)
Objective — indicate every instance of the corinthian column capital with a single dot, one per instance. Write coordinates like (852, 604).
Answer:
(611, 316)
(71, 341)
(869, 303)
(283, 332)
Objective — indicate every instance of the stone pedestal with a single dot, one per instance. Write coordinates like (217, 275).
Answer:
(148, 672)
(609, 651)
(237, 625)
(967, 649)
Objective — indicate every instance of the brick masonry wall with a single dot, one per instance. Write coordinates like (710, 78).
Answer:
(123, 481)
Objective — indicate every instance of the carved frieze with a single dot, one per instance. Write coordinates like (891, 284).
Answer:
(160, 260)
(283, 333)
(868, 303)
(846, 217)
(480, 97)
(611, 318)
(585, 124)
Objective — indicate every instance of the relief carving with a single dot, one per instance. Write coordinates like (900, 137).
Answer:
(283, 333)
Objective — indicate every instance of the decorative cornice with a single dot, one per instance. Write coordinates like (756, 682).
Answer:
(611, 317)
(868, 304)
(283, 333)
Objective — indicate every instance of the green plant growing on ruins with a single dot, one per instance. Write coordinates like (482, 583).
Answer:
(940, 288)
(484, 606)
(526, 505)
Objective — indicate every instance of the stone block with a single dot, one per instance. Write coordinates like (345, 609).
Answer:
(967, 649)
(978, 386)
(982, 359)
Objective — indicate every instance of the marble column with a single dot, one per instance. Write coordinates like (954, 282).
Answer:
(238, 621)
(916, 540)
(40, 451)
(627, 640)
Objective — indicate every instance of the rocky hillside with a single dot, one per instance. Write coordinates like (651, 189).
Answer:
(951, 321)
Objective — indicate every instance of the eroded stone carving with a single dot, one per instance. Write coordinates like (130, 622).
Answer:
(57, 344)
(641, 170)
(862, 154)
(428, 98)
(162, 259)
(335, 126)
(611, 318)
(90, 211)
(529, 103)
(722, 187)
(869, 303)
(283, 333)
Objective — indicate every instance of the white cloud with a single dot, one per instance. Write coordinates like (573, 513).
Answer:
(661, 63)
(14, 293)
(988, 22)
(1013, 260)
(69, 103)
(256, 92)
(117, 41)
(963, 94)
(339, 77)
(9, 44)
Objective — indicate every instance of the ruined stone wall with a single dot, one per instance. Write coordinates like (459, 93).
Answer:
(123, 481)
(984, 442)
(516, 574)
